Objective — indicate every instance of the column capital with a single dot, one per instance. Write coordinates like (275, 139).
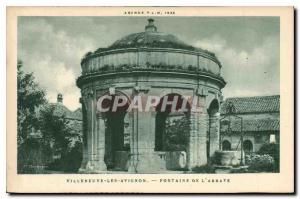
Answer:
(201, 92)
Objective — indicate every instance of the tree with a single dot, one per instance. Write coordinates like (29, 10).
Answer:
(42, 132)
(177, 132)
(57, 135)
(30, 97)
(55, 130)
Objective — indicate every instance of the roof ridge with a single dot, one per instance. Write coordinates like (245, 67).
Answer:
(247, 97)
(260, 119)
(253, 104)
(77, 109)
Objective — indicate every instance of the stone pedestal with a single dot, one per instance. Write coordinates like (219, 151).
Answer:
(84, 160)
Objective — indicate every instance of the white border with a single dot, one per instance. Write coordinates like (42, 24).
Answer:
(5, 3)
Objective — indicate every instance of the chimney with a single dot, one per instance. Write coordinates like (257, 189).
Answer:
(60, 98)
(150, 27)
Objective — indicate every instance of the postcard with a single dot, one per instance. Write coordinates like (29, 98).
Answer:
(150, 100)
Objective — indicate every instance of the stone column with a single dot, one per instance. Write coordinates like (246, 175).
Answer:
(196, 155)
(143, 158)
(133, 161)
(100, 165)
(89, 133)
(214, 133)
(95, 132)
(84, 137)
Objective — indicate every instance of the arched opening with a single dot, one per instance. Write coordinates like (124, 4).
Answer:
(117, 132)
(213, 108)
(247, 146)
(226, 145)
(213, 134)
(172, 124)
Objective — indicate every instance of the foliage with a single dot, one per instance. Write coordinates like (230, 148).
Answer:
(271, 149)
(54, 129)
(32, 156)
(259, 163)
(30, 97)
(177, 132)
(42, 132)
(70, 161)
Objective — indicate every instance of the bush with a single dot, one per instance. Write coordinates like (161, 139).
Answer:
(69, 162)
(32, 156)
(260, 163)
(272, 150)
(73, 158)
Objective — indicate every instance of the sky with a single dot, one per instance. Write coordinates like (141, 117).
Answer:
(247, 47)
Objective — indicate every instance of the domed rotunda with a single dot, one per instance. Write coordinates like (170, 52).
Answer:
(145, 64)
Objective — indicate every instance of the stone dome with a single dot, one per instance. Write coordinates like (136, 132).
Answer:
(151, 50)
(151, 37)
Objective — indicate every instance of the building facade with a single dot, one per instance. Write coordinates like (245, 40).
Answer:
(260, 123)
(149, 63)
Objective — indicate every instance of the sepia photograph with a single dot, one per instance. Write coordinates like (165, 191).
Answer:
(151, 92)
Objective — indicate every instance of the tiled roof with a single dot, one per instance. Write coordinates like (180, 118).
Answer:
(252, 125)
(60, 109)
(257, 104)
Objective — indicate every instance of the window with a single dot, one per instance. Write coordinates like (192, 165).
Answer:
(226, 145)
(247, 146)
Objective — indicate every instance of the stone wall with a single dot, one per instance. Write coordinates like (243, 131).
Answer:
(257, 139)
(176, 160)
(256, 116)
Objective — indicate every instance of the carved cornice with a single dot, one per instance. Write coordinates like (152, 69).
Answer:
(85, 79)
(147, 49)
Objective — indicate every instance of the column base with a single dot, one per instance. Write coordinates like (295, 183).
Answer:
(200, 163)
(197, 156)
(147, 163)
(213, 148)
(94, 167)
